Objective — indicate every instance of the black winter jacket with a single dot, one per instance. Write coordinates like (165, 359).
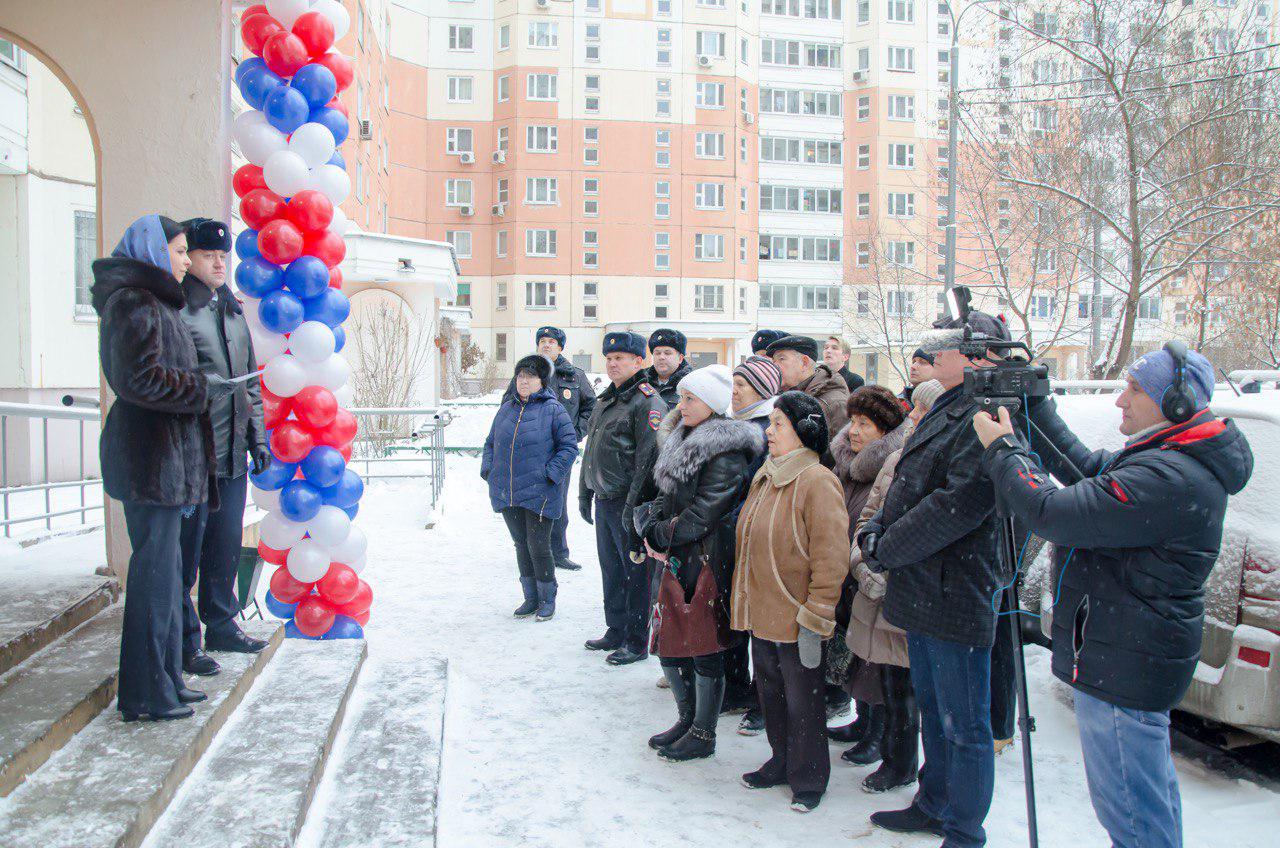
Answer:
(225, 348)
(938, 527)
(852, 380)
(622, 441)
(570, 385)
(670, 390)
(1136, 541)
(157, 443)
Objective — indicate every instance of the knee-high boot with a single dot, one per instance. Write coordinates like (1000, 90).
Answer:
(681, 679)
(899, 747)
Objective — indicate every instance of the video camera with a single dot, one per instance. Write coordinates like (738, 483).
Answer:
(1011, 380)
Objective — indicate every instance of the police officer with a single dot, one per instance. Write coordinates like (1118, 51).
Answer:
(667, 347)
(211, 539)
(622, 446)
(763, 338)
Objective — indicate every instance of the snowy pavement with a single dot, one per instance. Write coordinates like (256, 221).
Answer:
(545, 743)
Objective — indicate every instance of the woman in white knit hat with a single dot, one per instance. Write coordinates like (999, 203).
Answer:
(701, 475)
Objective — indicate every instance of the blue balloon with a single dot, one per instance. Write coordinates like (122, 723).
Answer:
(280, 312)
(250, 64)
(291, 631)
(331, 307)
(339, 339)
(286, 109)
(300, 501)
(351, 511)
(306, 277)
(247, 244)
(258, 84)
(323, 467)
(344, 627)
(334, 120)
(346, 492)
(336, 159)
(257, 277)
(279, 608)
(317, 83)
(277, 474)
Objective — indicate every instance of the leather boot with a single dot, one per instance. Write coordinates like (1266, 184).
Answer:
(680, 682)
(700, 741)
(899, 747)
(867, 749)
(546, 599)
(852, 732)
(530, 605)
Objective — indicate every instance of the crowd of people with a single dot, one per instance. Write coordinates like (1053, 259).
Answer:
(795, 545)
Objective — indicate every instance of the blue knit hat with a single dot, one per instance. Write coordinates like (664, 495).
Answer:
(550, 333)
(624, 343)
(1154, 373)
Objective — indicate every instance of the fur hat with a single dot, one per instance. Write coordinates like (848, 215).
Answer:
(537, 365)
(800, 344)
(878, 404)
(711, 384)
(550, 333)
(805, 415)
(761, 375)
(666, 337)
(763, 338)
(624, 342)
(927, 393)
(207, 234)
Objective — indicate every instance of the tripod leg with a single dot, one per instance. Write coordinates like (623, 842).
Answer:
(1026, 723)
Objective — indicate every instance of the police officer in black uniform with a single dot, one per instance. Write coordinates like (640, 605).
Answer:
(622, 445)
(211, 539)
(667, 348)
(763, 338)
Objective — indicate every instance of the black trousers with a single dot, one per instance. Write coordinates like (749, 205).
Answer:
(532, 536)
(710, 665)
(900, 742)
(151, 639)
(1004, 703)
(625, 583)
(560, 530)
(211, 551)
(795, 717)
(737, 665)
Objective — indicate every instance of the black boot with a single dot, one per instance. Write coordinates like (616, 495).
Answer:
(837, 700)
(200, 663)
(867, 750)
(900, 744)
(680, 679)
(546, 600)
(911, 820)
(700, 741)
(610, 641)
(530, 605)
(852, 732)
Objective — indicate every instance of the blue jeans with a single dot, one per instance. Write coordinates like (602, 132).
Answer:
(1132, 781)
(953, 687)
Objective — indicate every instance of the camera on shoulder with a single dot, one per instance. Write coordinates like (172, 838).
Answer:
(1014, 378)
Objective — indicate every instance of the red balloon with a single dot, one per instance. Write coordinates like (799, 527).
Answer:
(313, 617)
(309, 209)
(335, 103)
(335, 278)
(325, 245)
(359, 603)
(362, 619)
(288, 589)
(337, 433)
(256, 28)
(315, 407)
(345, 450)
(259, 207)
(246, 179)
(280, 242)
(284, 53)
(316, 32)
(275, 410)
(339, 585)
(273, 556)
(343, 70)
(290, 441)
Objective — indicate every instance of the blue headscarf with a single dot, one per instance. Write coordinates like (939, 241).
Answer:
(145, 241)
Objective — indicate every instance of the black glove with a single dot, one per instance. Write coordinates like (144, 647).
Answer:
(218, 387)
(261, 456)
(584, 507)
(868, 543)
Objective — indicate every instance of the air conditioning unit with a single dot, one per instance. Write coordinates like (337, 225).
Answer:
(467, 158)
(544, 4)
(748, 118)
(366, 130)
(499, 156)
(499, 209)
(466, 211)
(859, 76)
(704, 61)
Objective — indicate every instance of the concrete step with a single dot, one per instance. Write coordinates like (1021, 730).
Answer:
(35, 613)
(382, 782)
(253, 787)
(50, 697)
(110, 783)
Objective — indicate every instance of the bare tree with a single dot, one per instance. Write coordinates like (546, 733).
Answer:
(393, 350)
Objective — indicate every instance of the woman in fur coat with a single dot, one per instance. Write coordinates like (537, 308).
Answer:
(700, 475)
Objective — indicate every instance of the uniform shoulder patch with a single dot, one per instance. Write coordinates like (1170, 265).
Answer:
(655, 419)
(647, 390)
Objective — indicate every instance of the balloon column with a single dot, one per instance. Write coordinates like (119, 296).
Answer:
(288, 274)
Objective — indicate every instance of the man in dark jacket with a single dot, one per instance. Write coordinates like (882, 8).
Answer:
(622, 445)
(836, 353)
(1136, 539)
(667, 348)
(936, 538)
(211, 536)
(920, 370)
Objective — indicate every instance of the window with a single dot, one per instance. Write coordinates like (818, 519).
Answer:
(662, 9)
(503, 193)
(660, 311)
(708, 298)
(591, 248)
(902, 107)
(864, 11)
(660, 291)
(709, 95)
(864, 108)
(1046, 260)
(500, 339)
(815, 9)
(504, 138)
(902, 253)
(541, 190)
(541, 87)
(804, 151)
(812, 297)
(708, 43)
(902, 59)
(590, 200)
(461, 37)
(501, 301)
(664, 48)
(662, 261)
(799, 102)
(1042, 306)
(500, 243)
(709, 145)
(864, 59)
(864, 156)
(86, 247)
(742, 199)
(461, 241)
(711, 4)
(457, 193)
(464, 295)
(460, 89)
(902, 204)
(799, 248)
(808, 54)
(799, 199)
(1044, 120)
(504, 88)
(590, 290)
(863, 254)
(901, 11)
(541, 139)
(708, 196)
(541, 243)
(544, 35)
(864, 204)
(902, 155)
(1044, 23)
(504, 37)
(708, 247)
(662, 241)
(539, 294)
(591, 83)
(900, 304)
(591, 156)
(457, 140)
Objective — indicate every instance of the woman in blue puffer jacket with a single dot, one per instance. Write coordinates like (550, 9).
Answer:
(527, 459)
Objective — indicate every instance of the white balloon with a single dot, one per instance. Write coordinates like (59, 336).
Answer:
(312, 342)
(266, 344)
(258, 140)
(352, 548)
(286, 173)
(285, 375)
(346, 396)
(357, 566)
(332, 182)
(337, 15)
(267, 499)
(340, 220)
(330, 527)
(280, 533)
(308, 561)
(287, 12)
(314, 143)
(332, 373)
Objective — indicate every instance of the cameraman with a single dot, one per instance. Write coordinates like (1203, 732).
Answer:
(1136, 539)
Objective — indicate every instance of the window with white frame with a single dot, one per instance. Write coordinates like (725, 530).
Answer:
(504, 88)
(742, 199)
(808, 297)
(807, 54)
(900, 303)
(791, 101)
(504, 139)
(902, 253)
(500, 243)
(662, 241)
(500, 297)
(662, 8)
(901, 11)
(539, 242)
(864, 59)
(807, 151)
(461, 37)
(664, 47)
(708, 196)
(1149, 307)
(591, 156)
(457, 193)
(503, 190)
(1042, 306)
(500, 339)
(776, 248)
(901, 107)
(864, 108)
(661, 291)
(901, 204)
(590, 248)
(662, 261)
(662, 158)
(86, 250)
(709, 43)
(709, 95)
(708, 247)
(901, 58)
(824, 10)
(708, 298)
(460, 89)
(544, 35)
(776, 198)
(864, 157)
(591, 196)
(590, 135)
(541, 87)
(541, 139)
(902, 155)
(864, 11)
(1046, 259)
(1044, 119)
(591, 83)
(708, 145)
(863, 254)
(457, 140)
(540, 294)
(461, 241)
(711, 4)
(541, 190)
(864, 204)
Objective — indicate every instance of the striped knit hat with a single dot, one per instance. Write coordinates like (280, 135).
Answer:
(761, 374)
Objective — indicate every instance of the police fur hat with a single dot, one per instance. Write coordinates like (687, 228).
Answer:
(624, 342)
(666, 337)
(537, 365)
(763, 338)
(550, 333)
(207, 234)
(800, 344)
(807, 419)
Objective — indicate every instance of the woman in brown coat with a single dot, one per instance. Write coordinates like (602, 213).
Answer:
(792, 557)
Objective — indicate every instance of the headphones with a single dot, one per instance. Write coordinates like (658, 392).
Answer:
(1178, 403)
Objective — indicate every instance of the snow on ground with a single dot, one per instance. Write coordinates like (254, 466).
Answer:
(545, 743)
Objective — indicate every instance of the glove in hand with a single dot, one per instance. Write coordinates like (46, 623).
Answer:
(810, 647)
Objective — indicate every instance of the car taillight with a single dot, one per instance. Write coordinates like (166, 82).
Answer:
(1253, 656)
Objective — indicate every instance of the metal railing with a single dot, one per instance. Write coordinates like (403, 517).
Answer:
(415, 446)
(24, 513)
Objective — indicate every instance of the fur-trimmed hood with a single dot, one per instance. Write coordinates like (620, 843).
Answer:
(684, 452)
(116, 273)
(863, 466)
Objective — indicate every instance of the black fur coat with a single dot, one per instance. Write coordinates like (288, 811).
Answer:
(157, 443)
